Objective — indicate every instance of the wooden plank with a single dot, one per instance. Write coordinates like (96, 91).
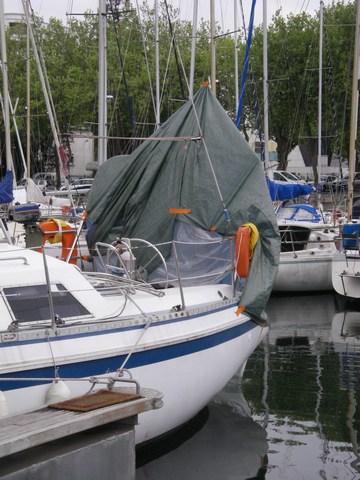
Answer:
(32, 429)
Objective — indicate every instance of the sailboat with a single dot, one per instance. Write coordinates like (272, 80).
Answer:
(308, 238)
(186, 242)
(346, 263)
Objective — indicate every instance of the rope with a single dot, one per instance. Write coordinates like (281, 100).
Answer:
(246, 63)
(254, 96)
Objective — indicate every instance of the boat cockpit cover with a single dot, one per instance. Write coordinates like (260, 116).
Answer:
(196, 163)
(287, 191)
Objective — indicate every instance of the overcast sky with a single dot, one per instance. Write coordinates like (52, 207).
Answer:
(224, 8)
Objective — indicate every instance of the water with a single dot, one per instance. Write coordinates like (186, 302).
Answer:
(293, 415)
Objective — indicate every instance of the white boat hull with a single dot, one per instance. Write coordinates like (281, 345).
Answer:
(346, 274)
(187, 382)
(188, 355)
(305, 270)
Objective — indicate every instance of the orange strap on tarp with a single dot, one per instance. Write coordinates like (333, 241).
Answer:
(180, 210)
(239, 310)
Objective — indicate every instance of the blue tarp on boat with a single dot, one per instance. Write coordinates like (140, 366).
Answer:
(287, 191)
(6, 188)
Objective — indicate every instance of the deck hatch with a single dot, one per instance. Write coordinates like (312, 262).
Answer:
(30, 303)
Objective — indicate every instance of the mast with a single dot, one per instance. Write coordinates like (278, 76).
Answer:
(354, 115)
(213, 52)
(9, 161)
(193, 48)
(157, 77)
(321, 20)
(28, 96)
(12, 110)
(236, 57)
(102, 118)
(49, 108)
(266, 91)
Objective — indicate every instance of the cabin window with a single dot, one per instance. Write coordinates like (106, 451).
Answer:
(293, 238)
(31, 303)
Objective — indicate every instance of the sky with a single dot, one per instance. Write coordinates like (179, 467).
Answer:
(224, 8)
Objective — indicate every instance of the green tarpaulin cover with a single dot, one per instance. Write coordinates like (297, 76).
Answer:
(197, 161)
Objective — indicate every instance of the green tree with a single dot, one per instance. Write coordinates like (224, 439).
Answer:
(290, 46)
(71, 58)
(293, 64)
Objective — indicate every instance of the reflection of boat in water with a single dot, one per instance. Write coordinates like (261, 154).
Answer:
(230, 445)
(345, 335)
(311, 366)
(345, 329)
(300, 317)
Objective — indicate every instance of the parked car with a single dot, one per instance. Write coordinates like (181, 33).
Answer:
(327, 182)
(342, 183)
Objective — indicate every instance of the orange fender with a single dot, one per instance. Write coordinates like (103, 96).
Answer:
(246, 238)
(52, 232)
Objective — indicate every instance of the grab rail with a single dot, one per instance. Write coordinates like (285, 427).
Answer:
(15, 258)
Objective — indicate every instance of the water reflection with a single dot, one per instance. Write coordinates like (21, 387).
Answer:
(311, 359)
(231, 445)
(293, 415)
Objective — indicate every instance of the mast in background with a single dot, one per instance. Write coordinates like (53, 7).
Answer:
(236, 57)
(28, 95)
(9, 160)
(157, 73)
(354, 115)
(213, 50)
(321, 23)
(46, 93)
(266, 92)
(193, 48)
(102, 116)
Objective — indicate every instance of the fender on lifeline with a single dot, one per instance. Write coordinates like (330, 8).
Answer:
(246, 237)
(55, 230)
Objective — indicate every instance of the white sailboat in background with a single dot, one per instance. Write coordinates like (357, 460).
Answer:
(307, 238)
(346, 263)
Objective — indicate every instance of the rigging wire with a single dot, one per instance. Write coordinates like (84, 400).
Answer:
(225, 209)
(332, 100)
(175, 51)
(146, 58)
(122, 66)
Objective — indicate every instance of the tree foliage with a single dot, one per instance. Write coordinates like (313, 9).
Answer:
(71, 57)
(293, 59)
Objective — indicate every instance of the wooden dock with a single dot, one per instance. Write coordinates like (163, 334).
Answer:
(34, 428)
(20, 433)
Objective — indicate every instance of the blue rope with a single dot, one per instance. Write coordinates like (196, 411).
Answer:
(246, 63)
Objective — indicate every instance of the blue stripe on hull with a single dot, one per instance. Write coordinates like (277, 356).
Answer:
(137, 359)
